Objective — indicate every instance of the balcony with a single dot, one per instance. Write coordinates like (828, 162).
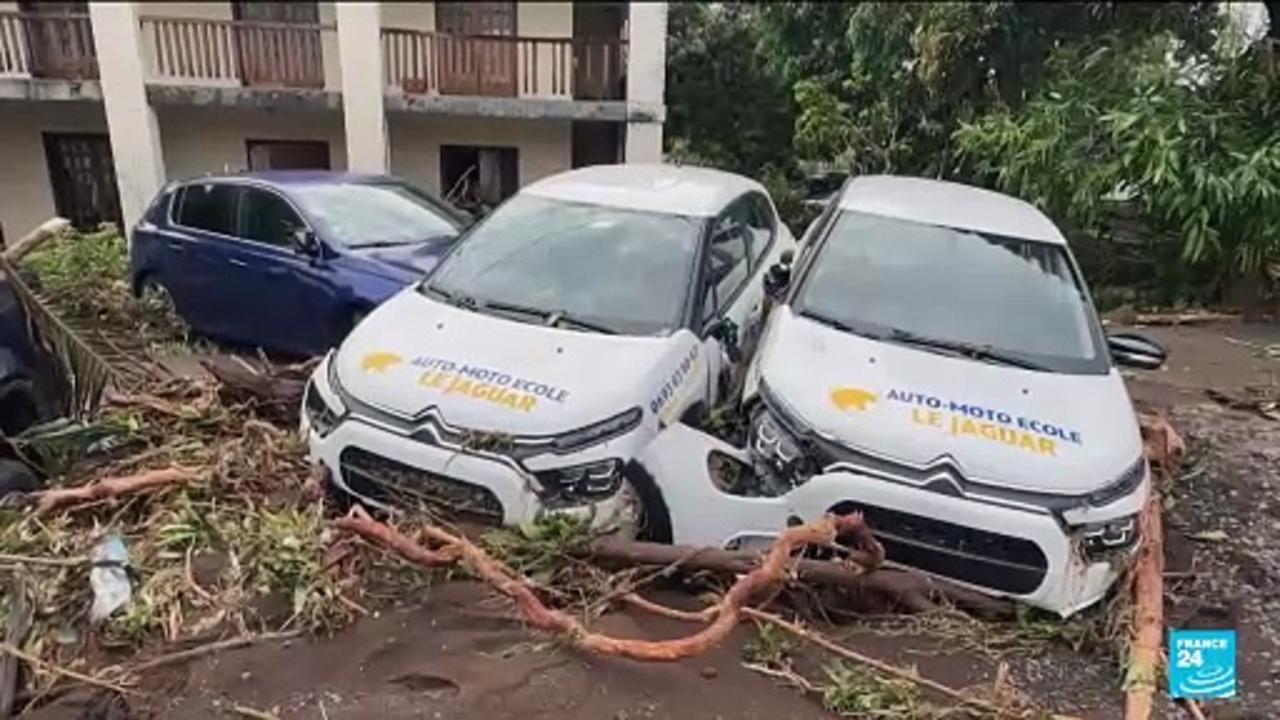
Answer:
(429, 63)
(47, 46)
(237, 52)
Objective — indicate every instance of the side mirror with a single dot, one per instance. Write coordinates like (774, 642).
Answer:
(1136, 351)
(778, 276)
(726, 331)
(305, 241)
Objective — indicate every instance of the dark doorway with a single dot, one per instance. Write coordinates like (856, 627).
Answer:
(470, 64)
(595, 143)
(598, 60)
(477, 178)
(270, 52)
(288, 155)
(83, 178)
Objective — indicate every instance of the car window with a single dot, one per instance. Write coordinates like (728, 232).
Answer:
(364, 215)
(268, 218)
(727, 266)
(878, 274)
(760, 223)
(628, 270)
(208, 206)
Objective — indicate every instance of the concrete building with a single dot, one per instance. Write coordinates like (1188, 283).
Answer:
(103, 102)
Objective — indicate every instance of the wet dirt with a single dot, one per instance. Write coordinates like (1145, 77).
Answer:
(459, 652)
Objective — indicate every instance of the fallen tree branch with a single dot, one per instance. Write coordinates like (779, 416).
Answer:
(1187, 318)
(211, 648)
(1163, 448)
(50, 500)
(913, 591)
(7, 649)
(25, 244)
(723, 617)
(75, 561)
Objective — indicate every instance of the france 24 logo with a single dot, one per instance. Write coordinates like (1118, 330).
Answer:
(1202, 664)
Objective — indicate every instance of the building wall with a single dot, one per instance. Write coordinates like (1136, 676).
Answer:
(544, 146)
(197, 141)
(409, 15)
(26, 196)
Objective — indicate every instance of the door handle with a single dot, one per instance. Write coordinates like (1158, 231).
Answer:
(238, 263)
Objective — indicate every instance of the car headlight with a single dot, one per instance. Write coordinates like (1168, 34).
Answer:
(777, 448)
(589, 481)
(1128, 481)
(597, 432)
(323, 418)
(1104, 537)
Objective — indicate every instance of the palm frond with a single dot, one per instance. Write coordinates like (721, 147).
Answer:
(85, 371)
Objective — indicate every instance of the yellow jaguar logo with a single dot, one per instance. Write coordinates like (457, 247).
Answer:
(376, 362)
(853, 398)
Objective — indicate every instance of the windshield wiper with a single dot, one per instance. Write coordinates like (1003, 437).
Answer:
(839, 324)
(552, 318)
(971, 350)
(455, 299)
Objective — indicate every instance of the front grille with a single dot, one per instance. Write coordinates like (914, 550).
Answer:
(395, 483)
(992, 560)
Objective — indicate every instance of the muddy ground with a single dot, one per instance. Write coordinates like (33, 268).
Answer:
(459, 654)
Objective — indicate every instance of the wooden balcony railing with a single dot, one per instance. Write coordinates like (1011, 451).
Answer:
(251, 53)
(432, 63)
(47, 46)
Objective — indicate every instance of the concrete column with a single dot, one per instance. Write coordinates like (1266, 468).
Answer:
(131, 122)
(360, 55)
(646, 79)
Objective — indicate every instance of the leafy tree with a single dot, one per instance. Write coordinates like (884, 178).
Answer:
(1195, 145)
(724, 106)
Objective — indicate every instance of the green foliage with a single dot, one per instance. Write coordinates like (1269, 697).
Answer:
(1193, 145)
(541, 548)
(770, 647)
(725, 109)
(855, 691)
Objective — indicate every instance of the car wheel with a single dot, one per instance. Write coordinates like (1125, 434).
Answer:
(15, 477)
(642, 514)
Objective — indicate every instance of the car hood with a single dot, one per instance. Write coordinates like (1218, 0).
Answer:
(416, 259)
(498, 375)
(999, 425)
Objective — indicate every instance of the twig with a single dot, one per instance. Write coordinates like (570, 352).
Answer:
(249, 712)
(1193, 708)
(830, 645)
(75, 561)
(8, 649)
(699, 616)
(210, 648)
(786, 674)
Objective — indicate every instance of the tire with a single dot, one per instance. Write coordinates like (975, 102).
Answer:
(655, 524)
(16, 477)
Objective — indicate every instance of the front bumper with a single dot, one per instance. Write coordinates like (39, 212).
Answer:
(384, 465)
(1029, 556)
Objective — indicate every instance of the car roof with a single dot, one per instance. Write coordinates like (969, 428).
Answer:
(288, 178)
(673, 189)
(938, 202)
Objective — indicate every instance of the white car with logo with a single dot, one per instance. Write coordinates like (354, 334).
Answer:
(934, 361)
(552, 344)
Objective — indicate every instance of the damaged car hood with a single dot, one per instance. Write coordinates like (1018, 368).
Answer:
(495, 374)
(999, 425)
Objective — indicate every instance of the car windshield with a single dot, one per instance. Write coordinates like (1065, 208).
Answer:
(625, 271)
(943, 288)
(373, 214)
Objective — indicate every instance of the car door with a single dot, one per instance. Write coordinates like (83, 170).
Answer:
(724, 306)
(291, 301)
(193, 265)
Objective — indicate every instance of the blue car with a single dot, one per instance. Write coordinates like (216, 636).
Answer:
(289, 261)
